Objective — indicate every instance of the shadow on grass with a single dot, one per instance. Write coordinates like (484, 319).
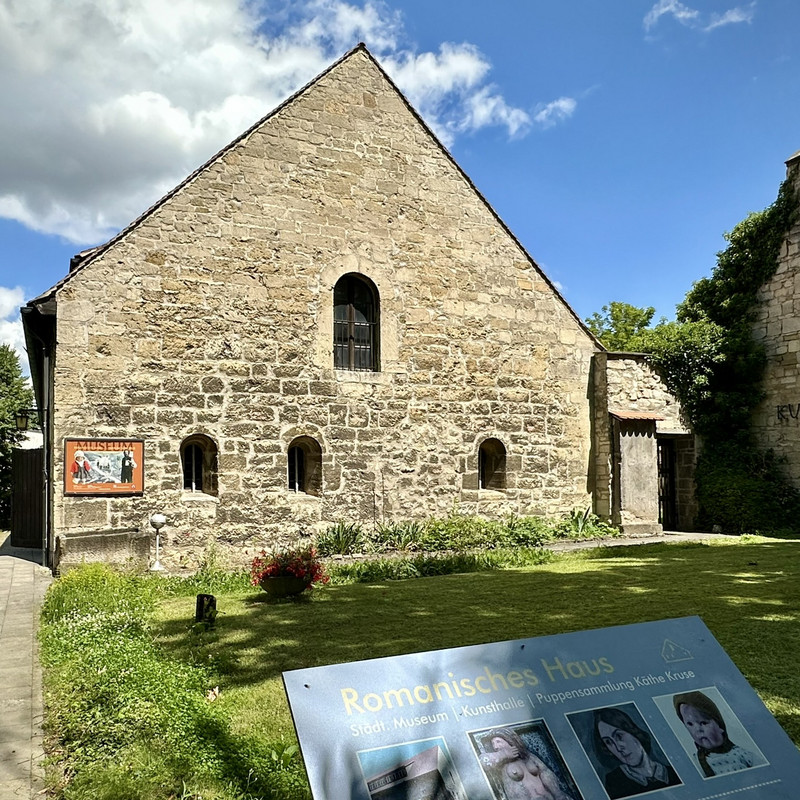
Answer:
(747, 593)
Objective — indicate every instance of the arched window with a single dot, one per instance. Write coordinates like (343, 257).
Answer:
(492, 465)
(304, 466)
(199, 460)
(356, 324)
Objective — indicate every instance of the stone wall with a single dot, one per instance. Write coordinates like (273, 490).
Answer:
(633, 413)
(634, 386)
(776, 421)
(213, 315)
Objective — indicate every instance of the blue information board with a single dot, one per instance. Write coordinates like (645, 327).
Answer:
(655, 709)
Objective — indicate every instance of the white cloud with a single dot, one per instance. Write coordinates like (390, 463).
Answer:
(488, 108)
(680, 12)
(692, 18)
(110, 103)
(732, 17)
(555, 112)
(10, 322)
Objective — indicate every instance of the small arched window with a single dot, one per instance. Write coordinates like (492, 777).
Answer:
(199, 461)
(356, 324)
(492, 465)
(304, 466)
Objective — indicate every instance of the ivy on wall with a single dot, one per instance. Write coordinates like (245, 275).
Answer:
(711, 362)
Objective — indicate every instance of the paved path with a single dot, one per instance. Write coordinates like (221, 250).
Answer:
(624, 541)
(22, 586)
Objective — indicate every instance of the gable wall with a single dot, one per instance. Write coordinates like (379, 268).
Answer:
(214, 315)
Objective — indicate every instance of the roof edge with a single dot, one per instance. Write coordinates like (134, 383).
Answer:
(92, 254)
(86, 257)
(480, 195)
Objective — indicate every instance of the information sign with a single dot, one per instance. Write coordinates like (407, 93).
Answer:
(654, 709)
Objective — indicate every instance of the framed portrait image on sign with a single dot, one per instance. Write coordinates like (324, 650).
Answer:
(103, 466)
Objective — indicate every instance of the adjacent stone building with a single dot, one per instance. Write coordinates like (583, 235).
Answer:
(777, 419)
(325, 322)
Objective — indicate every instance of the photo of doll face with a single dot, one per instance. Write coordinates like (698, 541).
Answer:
(705, 731)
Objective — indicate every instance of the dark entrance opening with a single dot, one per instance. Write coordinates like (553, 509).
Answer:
(27, 496)
(667, 495)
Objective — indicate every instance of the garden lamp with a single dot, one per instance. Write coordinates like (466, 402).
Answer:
(158, 521)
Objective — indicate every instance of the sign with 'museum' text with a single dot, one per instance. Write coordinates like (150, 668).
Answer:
(655, 709)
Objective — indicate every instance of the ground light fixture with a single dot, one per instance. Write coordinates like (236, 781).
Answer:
(158, 521)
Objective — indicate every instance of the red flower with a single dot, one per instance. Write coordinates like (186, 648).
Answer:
(299, 563)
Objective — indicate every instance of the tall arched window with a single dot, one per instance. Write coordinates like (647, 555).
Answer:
(492, 465)
(356, 324)
(304, 466)
(199, 461)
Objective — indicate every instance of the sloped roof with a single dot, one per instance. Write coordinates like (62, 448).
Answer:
(635, 415)
(86, 257)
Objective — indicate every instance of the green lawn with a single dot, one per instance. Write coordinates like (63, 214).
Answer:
(746, 591)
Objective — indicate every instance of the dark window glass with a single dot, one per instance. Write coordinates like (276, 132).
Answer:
(492, 465)
(199, 460)
(355, 325)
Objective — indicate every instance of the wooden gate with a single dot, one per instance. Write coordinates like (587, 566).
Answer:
(27, 490)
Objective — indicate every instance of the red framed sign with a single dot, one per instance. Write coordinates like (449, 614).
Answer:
(103, 466)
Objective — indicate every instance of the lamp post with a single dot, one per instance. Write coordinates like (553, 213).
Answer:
(158, 521)
(24, 416)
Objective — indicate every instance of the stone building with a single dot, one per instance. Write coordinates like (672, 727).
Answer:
(327, 321)
(777, 419)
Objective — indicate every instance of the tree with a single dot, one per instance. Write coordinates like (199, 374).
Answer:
(14, 395)
(710, 361)
(619, 324)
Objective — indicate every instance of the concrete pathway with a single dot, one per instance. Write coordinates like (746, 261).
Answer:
(22, 586)
(624, 541)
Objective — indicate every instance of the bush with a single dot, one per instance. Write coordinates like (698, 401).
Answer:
(425, 564)
(402, 536)
(460, 533)
(343, 538)
(743, 490)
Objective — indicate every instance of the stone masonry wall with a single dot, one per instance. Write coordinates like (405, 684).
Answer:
(776, 422)
(626, 383)
(633, 385)
(213, 315)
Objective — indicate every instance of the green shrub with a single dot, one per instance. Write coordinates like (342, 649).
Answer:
(424, 564)
(583, 524)
(743, 490)
(401, 536)
(456, 532)
(343, 538)
(517, 531)
(459, 533)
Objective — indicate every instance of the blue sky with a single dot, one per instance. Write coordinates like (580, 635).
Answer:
(618, 139)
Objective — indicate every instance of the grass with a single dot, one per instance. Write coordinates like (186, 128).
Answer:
(745, 590)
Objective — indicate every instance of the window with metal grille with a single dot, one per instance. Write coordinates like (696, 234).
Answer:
(199, 460)
(356, 324)
(304, 467)
(492, 465)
